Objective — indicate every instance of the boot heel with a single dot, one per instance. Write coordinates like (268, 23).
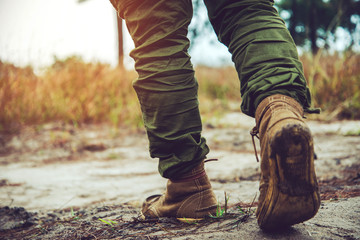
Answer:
(292, 147)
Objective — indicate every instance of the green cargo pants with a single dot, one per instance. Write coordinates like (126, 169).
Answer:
(262, 49)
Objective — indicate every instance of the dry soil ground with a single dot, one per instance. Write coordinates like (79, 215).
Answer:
(62, 182)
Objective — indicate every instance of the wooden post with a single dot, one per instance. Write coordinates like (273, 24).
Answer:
(120, 43)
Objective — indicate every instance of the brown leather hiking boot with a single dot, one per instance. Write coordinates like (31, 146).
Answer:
(288, 187)
(189, 197)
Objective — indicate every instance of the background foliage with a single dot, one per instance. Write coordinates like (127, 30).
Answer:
(310, 22)
(314, 21)
(77, 92)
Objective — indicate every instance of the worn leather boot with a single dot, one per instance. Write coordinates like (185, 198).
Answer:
(190, 197)
(289, 191)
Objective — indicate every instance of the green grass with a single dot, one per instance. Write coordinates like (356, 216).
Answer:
(353, 133)
(111, 223)
(73, 215)
(221, 212)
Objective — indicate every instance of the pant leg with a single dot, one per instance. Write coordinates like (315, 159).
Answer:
(166, 87)
(262, 49)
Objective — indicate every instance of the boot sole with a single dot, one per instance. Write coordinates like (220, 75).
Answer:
(190, 220)
(292, 195)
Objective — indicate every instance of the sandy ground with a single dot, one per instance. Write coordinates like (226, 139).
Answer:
(57, 181)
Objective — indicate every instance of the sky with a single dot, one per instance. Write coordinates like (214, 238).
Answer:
(34, 32)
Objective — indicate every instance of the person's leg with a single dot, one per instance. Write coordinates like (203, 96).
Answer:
(262, 49)
(166, 87)
(274, 91)
(167, 91)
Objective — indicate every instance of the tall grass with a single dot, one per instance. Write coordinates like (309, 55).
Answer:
(19, 95)
(78, 92)
(219, 90)
(334, 81)
(70, 91)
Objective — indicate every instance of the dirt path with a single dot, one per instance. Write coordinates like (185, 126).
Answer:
(99, 172)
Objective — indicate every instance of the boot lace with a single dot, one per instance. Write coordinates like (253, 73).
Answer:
(255, 133)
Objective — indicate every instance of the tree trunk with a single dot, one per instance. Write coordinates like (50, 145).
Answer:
(312, 28)
(120, 43)
(293, 21)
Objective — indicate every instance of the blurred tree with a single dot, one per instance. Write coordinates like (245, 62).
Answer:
(120, 39)
(200, 24)
(318, 19)
(120, 42)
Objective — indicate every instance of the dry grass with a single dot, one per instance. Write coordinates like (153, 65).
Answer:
(334, 81)
(70, 91)
(219, 90)
(78, 92)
